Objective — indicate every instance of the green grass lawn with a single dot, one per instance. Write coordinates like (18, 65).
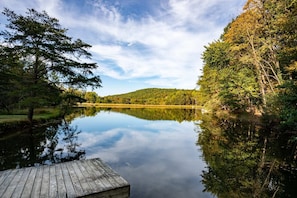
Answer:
(12, 118)
(44, 113)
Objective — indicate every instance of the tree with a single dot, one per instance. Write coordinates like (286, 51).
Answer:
(91, 96)
(50, 60)
(254, 36)
(225, 84)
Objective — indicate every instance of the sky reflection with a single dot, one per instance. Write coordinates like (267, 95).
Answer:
(158, 158)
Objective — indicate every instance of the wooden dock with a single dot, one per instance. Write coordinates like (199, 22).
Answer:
(84, 178)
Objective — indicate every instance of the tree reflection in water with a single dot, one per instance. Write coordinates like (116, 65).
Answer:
(246, 159)
(43, 145)
(61, 144)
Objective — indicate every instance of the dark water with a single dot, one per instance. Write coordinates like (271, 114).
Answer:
(165, 153)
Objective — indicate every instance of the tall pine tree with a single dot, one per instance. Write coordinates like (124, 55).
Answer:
(47, 58)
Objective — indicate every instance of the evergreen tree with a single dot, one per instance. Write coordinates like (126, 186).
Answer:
(48, 58)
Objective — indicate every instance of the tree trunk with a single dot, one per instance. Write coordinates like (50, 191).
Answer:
(30, 114)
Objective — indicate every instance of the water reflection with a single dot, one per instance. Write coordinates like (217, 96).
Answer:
(61, 144)
(158, 158)
(245, 160)
(155, 150)
(37, 146)
(176, 114)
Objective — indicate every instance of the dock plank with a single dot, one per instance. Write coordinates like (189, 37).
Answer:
(30, 182)
(53, 187)
(70, 192)
(13, 184)
(85, 178)
(60, 182)
(75, 181)
(7, 181)
(89, 176)
(82, 178)
(44, 192)
(21, 183)
(37, 182)
(106, 174)
(100, 179)
(114, 177)
(3, 176)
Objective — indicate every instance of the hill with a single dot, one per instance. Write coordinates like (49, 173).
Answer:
(154, 96)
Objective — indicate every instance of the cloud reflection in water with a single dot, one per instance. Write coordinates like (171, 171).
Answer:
(158, 158)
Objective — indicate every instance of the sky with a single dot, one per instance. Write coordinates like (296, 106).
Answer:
(140, 43)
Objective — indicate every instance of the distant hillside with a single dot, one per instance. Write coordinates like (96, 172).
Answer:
(154, 96)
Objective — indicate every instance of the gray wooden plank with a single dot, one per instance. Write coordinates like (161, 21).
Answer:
(53, 188)
(89, 176)
(13, 184)
(29, 183)
(100, 175)
(70, 191)
(3, 175)
(100, 184)
(107, 174)
(7, 181)
(60, 182)
(44, 191)
(71, 179)
(119, 180)
(112, 176)
(82, 178)
(75, 181)
(37, 182)
(21, 183)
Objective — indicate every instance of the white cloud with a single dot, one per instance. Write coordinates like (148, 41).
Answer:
(167, 45)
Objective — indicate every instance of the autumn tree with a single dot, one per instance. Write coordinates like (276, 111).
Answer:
(225, 84)
(260, 46)
(47, 58)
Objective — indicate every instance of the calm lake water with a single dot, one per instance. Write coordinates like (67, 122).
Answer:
(167, 152)
(158, 157)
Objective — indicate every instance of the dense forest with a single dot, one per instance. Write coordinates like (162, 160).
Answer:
(155, 96)
(149, 96)
(253, 65)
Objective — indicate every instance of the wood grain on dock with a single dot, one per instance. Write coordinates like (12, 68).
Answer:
(84, 178)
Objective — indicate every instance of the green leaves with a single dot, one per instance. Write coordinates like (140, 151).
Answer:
(256, 54)
(47, 58)
(216, 55)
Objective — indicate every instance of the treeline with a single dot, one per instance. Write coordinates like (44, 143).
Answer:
(154, 96)
(253, 65)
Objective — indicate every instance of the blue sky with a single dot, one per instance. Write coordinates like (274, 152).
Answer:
(140, 43)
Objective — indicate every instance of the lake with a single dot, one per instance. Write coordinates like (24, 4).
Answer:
(166, 152)
(154, 150)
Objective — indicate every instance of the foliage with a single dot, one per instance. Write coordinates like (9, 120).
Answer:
(154, 96)
(177, 114)
(244, 160)
(41, 145)
(287, 103)
(253, 67)
(254, 61)
(38, 59)
(226, 86)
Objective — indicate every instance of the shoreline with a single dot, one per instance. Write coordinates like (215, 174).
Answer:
(111, 105)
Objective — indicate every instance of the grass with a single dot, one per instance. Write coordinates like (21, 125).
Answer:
(20, 115)
(12, 118)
